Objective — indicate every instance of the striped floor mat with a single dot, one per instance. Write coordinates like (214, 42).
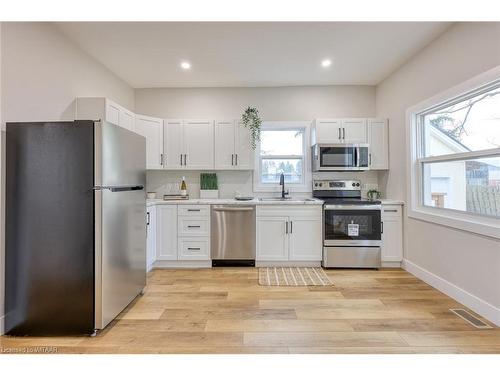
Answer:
(293, 276)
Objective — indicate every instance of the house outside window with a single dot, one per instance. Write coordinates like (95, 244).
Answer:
(283, 150)
(455, 166)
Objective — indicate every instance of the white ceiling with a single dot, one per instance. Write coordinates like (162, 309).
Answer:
(251, 54)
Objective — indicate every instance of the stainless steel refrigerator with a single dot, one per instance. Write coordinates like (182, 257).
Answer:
(75, 251)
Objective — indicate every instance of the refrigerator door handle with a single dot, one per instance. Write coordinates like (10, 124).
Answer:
(117, 189)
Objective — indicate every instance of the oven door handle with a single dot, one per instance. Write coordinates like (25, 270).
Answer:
(352, 207)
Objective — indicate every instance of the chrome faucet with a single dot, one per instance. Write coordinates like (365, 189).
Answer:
(282, 184)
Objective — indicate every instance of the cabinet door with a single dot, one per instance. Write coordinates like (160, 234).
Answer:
(173, 148)
(272, 239)
(151, 237)
(199, 145)
(328, 131)
(378, 138)
(354, 131)
(392, 235)
(245, 154)
(112, 113)
(127, 119)
(152, 129)
(194, 248)
(166, 232)
(305, 239)
(224, 145)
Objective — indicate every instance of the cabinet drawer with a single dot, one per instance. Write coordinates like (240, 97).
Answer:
(194, 210)
(391, 210)
(193, 226)
(194, 248)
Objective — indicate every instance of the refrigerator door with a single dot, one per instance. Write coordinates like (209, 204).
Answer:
(120, 220)
(49, 253)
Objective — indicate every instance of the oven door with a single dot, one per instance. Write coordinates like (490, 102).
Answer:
(352, 225)
(340, 157)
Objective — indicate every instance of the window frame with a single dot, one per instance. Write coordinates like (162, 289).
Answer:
(416, 159)
(305, 186)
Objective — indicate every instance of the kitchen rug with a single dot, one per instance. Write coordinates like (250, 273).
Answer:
(293, 276)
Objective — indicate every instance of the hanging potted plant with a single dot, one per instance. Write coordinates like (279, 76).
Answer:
(252, 121)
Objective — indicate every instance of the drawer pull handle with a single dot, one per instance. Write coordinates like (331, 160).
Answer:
(194, 226)
(193, 210)
(390, 210)
(194, 248)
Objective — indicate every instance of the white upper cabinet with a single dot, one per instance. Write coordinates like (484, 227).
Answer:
(232, 146)
(378, 138)
(224, 144)
(244, 158)
(326, 131)
(351, 130)
(189, 144)
(173, 144)
(152, 129)
(105, 110)
(198, 144)
(127, 119)
(354, 131)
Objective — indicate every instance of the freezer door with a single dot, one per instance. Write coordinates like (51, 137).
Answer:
(120, 159)
(123, 156)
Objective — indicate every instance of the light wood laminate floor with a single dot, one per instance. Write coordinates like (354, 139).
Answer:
(224, 310)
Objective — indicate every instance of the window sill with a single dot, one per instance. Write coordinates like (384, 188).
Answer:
(484, 226)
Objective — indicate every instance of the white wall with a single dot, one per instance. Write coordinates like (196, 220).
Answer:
(467, 264)
(274, 104)
(41, 74)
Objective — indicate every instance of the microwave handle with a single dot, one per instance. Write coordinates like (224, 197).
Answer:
(357, 157)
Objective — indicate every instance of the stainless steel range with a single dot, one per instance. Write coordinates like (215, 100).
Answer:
(352, 226)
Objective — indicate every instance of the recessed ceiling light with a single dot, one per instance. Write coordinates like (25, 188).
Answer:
(326, 63)
(185, 65)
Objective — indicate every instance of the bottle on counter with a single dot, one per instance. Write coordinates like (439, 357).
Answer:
(183, 186)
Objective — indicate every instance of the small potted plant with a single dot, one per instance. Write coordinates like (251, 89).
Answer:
(252, 121)
(208, 186)
(373, 194)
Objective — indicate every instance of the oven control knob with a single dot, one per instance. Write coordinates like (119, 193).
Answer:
(357, 184)
(315, 184)
(353, 184)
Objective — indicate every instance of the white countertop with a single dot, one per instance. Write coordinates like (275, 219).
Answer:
(392, 201)
(255, 201)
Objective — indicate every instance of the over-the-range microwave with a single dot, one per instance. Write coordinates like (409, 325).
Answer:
(340, 157)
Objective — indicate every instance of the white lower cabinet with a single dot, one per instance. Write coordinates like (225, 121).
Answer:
(150, 237)
(289, 233)
(166, 232)
(306, 240)
(272, 239)
(182, 232)
(392, 235)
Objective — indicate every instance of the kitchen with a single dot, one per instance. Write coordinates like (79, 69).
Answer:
(250, 178)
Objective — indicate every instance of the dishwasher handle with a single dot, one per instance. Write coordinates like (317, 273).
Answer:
(232, 209)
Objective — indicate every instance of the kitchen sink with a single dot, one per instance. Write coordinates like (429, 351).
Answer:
(279, 199)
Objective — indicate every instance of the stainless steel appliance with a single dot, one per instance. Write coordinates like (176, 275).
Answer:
(76, 225)
(352, 226)
(233, 235)
(340, 157)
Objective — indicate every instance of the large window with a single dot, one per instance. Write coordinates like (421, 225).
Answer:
(456, 156)
(282, 150)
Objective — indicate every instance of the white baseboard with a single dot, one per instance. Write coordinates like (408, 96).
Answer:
(182, 264)
(287, 264)
(391, 264)
(474, 303)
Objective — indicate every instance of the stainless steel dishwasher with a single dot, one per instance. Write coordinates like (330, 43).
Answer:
(233, 235)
